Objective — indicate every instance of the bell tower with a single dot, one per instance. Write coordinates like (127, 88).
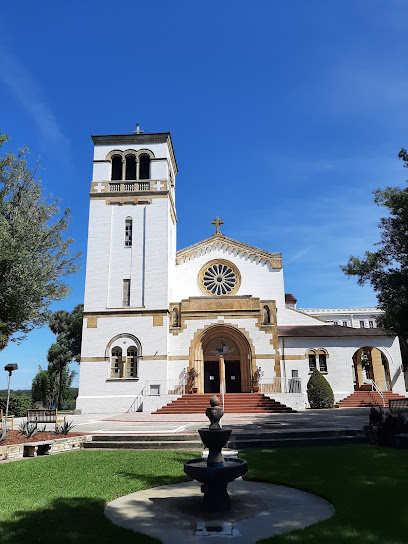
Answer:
(132, 223)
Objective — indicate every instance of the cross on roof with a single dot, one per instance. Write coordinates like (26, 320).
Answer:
(217, 222)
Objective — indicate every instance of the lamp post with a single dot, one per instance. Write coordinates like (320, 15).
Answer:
(8, 368)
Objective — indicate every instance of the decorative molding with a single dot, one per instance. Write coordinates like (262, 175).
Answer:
(221, 262)
(219, 241)
(153, 138)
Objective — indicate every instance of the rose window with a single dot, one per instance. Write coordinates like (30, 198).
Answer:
(219, 279)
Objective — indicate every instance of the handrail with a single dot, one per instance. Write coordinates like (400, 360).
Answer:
(134, 407)
(377, 389)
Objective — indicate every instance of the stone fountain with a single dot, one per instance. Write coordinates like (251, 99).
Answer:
(216, 472)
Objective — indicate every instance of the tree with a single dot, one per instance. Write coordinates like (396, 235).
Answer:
(46, 386)
(319, 391)
(68, 327)
(34, 256)
(387, 268)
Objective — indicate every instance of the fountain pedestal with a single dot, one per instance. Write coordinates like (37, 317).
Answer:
(216, 472)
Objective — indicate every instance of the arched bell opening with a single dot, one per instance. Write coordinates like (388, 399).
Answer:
(371, 364)
(222, 354)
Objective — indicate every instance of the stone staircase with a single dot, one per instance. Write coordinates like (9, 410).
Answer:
(360, 399)
(235, 403)
(260, 439)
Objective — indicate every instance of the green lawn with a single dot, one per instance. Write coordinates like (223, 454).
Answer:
(61, 498)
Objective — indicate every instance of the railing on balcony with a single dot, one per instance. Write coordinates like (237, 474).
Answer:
(280, 385)
(130, 186)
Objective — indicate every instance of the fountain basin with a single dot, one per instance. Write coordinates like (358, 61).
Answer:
(215, 480)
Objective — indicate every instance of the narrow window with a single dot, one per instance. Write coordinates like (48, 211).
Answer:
(131, 369)
(144, 167)
(344, 323)
(126, 293)
(116, 363)
(335, 322)
(130, 167)
(362, 324)
(116, 167)
(128, 232)
(175, 318)
(371, 324)
(322, 362)
(312, 361)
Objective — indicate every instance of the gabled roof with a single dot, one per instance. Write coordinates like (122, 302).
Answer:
(238, 248)
(326, 331)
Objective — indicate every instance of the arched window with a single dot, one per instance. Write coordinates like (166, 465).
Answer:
(116, 167)
(128, 231)
(322, 360)
(130, 167)
(312, 360)
(266, 315)
(116, 363)
(131, 363)
(144, 167)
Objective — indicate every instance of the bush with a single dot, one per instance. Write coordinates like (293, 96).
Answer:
(319, 392)
(18, 406)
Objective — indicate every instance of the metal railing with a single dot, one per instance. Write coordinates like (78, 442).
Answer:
(137, 403)
(156, 388)
(281, 385)
(375, 388)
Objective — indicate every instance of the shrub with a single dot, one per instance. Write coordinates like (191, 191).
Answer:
(64, 428)
(27, 429)
(18, 406)
(319, 392)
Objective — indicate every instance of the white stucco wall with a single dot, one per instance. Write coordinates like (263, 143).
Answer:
(257, 279)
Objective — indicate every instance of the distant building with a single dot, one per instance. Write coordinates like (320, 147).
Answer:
(358, 318)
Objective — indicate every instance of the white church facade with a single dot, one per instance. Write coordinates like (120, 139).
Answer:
(153, 314)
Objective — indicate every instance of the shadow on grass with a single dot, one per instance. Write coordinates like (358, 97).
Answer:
(68, 521)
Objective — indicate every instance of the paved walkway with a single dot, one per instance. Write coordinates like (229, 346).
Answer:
(174, 513)
(146, 423)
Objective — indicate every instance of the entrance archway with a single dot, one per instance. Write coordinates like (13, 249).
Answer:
(221, 353)
(371, 364)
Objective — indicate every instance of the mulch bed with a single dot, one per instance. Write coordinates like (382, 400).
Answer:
(14, 437)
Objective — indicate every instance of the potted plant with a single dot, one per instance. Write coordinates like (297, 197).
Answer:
(192, 374)
(257, 375)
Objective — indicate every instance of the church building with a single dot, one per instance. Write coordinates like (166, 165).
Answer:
(210, 318)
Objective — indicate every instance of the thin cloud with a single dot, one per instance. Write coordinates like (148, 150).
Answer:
(299, 255)
(23, 86)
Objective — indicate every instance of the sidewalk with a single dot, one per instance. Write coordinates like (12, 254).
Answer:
(147, 423)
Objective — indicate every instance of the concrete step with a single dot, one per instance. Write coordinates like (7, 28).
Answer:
(148, 445)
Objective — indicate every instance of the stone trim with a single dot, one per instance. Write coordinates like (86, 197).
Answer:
(123, 312)
(239, 336)
(190, 252)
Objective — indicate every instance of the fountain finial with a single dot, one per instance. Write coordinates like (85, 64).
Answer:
(214, 412)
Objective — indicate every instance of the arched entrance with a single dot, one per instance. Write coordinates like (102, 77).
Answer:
(371, 364)
(222, 354)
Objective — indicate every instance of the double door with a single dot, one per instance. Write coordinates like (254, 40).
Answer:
(212, 377)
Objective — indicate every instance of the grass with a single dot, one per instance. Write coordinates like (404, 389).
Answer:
(366, 485)
(61, 498)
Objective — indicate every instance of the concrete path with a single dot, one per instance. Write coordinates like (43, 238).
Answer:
(174, 513)
(145, 423)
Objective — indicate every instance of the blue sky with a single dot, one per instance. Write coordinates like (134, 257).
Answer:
(286, 114)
